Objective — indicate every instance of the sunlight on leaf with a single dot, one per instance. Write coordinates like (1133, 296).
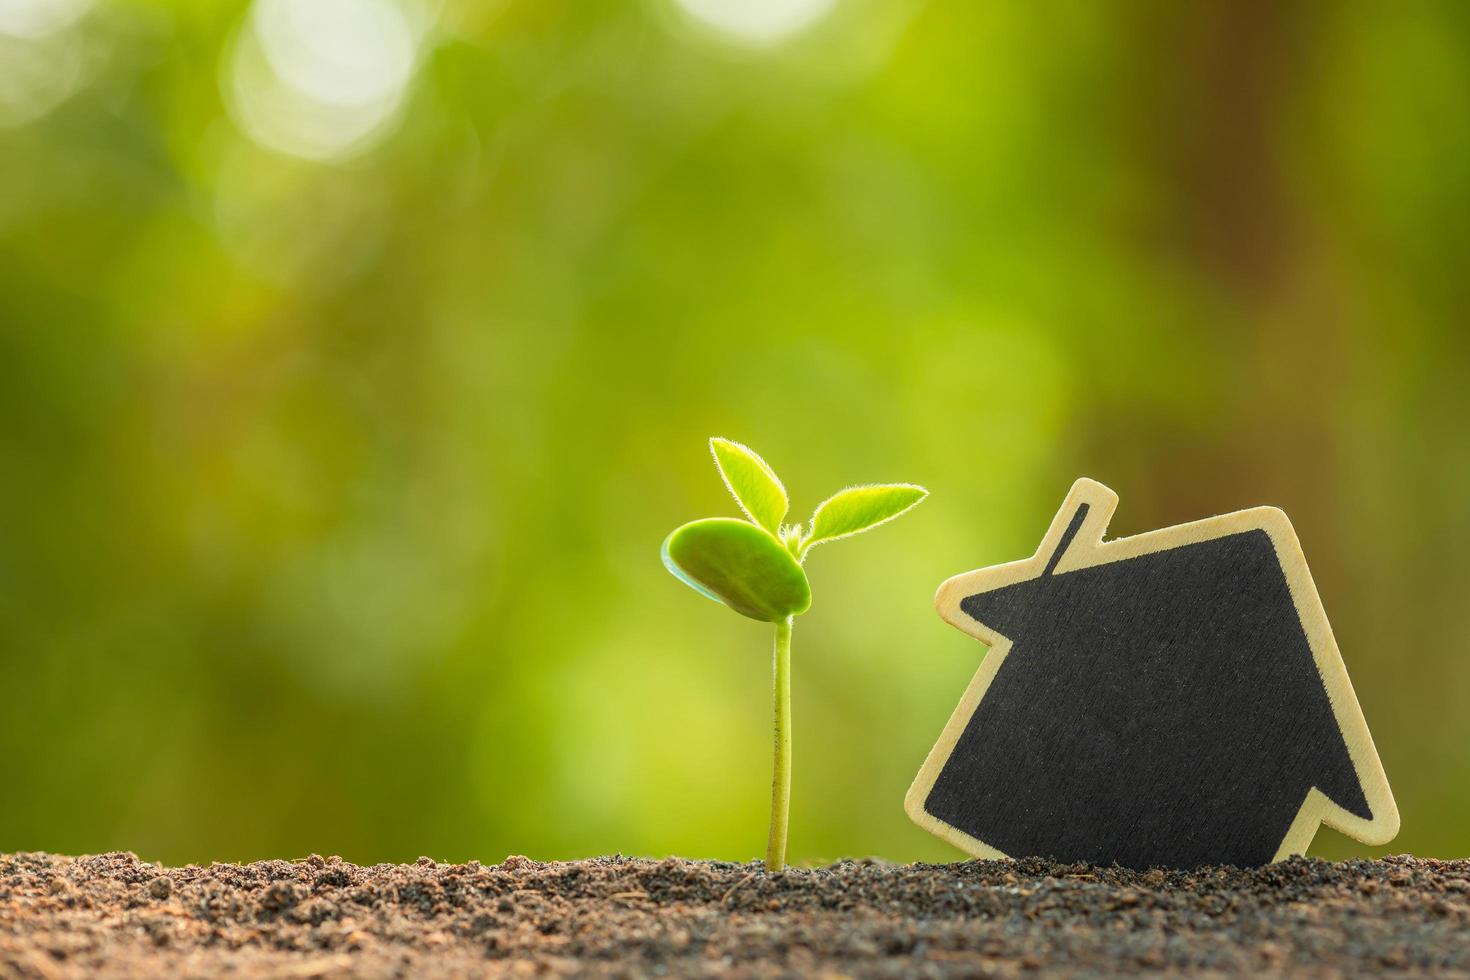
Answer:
(857, 509)
(753, 483)
(739, 564)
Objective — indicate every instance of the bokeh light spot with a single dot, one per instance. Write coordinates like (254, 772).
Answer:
(341, 52)
(43, 61)
(757, 21)
(36, 76)
(322, 79)
(39, 18)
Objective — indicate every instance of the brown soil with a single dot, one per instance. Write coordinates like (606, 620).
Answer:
(115, 916)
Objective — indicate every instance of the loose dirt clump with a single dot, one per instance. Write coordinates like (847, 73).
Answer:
(115, 916)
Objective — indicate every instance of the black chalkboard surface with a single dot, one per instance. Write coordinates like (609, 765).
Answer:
(1171, 699)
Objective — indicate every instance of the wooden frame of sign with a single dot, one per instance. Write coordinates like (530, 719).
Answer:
(975, 807)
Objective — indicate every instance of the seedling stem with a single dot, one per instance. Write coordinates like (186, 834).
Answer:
(781, 771)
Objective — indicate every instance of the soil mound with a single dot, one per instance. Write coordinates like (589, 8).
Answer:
(115, 916)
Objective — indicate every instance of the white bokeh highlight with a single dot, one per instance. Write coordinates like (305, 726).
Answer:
(757, 22)
(322, 79)
(43, 58)
(39, 18)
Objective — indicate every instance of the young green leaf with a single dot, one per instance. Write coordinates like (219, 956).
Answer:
(752, 482)
(857, 509)
(741, 565)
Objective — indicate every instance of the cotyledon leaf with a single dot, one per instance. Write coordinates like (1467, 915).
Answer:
(752, 482)
(741, 565)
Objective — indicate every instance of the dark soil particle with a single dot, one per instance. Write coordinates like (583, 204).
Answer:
(116, 916)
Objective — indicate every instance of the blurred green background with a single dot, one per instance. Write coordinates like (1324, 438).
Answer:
(356, 356)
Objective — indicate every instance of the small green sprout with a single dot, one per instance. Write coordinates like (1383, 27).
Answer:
(754, 566)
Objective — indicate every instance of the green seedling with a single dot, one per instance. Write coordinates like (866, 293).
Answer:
(754, 566)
